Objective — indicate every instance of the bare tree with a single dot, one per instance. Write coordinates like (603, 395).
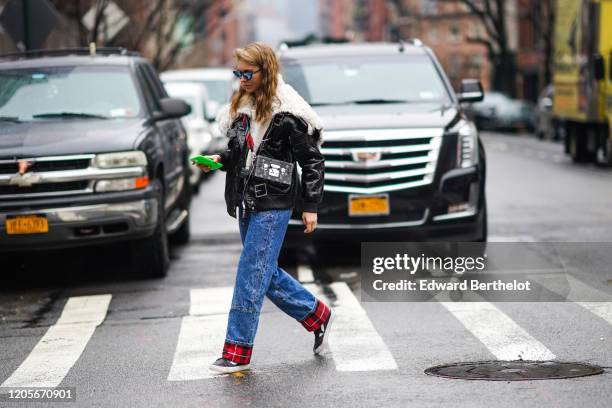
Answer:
(153, 25)
(101, 6)
(492, 15)
(542, 19)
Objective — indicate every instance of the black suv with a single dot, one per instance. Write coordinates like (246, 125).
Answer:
(91, 151)
(402, 160)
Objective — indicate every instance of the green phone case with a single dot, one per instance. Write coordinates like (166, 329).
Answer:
(199, 159)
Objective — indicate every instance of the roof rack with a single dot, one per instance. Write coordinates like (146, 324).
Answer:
(413, 41)
(416, 42)
(91, 50)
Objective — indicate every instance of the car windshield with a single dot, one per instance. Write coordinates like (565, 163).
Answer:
(68, 92)
(358, 80)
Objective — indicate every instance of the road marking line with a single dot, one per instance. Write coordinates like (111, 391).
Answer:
(504, 338)
(62, 344)
(202, 334)
(354, 342)
(579, 290)
(304, 273)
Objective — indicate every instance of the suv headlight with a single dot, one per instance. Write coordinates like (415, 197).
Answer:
(467, 145)
(120, 159)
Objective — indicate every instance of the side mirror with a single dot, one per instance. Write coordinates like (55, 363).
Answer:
(471, 91)
(172, 108)
(599, 70)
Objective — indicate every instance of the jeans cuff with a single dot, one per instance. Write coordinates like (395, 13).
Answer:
(318, 316)
(237, 353)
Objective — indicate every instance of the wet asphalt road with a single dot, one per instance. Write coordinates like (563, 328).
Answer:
(130, 359)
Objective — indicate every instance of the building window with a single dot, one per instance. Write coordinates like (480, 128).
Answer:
(429, 7)
(476, 61)
(453, 33)
(476, 30)
(454, 66)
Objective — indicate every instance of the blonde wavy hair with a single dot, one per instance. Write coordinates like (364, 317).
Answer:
(264, 57)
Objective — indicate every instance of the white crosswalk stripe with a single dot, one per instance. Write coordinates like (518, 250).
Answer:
(63, 343)
(504, 338)
(354, 342)
(576, 291)
(304, 273)
(202, 334)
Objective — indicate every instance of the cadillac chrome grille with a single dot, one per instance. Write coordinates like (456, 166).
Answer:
(376, 161)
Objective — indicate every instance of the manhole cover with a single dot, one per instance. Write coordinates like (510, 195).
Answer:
(513, 370)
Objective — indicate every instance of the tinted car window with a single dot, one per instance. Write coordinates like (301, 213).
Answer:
(104, 91)
(345, 80)
(149, 92)
(160, 92)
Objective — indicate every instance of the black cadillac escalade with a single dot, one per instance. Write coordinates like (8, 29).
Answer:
(92, 151)
(402, 161)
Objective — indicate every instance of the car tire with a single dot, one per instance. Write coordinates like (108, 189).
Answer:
(483, 162)
(183, 234)
(151, 255)
(484, 229)
(577, 145)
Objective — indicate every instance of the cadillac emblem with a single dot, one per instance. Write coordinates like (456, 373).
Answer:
(363, 156)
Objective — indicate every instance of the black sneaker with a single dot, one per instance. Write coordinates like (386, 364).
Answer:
(322, 333)
(223, 365)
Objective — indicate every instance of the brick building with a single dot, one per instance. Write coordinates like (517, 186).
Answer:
(535, 23)
(446, 27)
(356, 20)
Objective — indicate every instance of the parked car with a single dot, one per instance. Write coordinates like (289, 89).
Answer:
(220, 84)
(92, 151)
(546, 126)
(197, 123)
(402, 161)
(498, 111)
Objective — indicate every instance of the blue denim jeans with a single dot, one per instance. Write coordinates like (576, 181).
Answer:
(262, 234)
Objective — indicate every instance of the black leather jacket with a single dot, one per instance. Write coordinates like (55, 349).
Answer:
(285, 139)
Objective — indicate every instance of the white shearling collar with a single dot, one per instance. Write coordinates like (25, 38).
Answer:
(290, 101)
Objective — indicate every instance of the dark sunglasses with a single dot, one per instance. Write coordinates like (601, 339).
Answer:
(247, 74)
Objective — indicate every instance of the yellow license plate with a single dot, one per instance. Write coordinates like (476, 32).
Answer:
(368, 205)
(26, 224)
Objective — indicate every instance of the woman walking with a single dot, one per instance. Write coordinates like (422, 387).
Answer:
(270, 127)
